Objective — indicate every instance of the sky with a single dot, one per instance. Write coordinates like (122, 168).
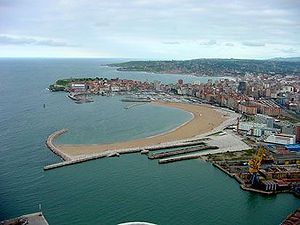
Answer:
(150, 29)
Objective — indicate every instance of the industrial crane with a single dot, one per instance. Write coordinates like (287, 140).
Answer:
(254, 164)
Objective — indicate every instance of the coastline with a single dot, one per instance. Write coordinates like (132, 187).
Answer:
(205, 119)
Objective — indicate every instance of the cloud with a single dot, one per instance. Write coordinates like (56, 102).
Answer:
(171, 42)
(148, 28)
(102, 24)
(253, 44)
(208, 43)
(289, 50)
(229, 44)
(21, 40)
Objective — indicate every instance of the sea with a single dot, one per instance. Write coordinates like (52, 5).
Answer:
(108, 191)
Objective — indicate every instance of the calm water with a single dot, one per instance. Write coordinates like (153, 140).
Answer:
(114, 190)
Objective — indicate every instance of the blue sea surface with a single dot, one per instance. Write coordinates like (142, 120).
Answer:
(111, 190)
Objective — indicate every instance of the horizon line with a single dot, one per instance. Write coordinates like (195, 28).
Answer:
(143, 59)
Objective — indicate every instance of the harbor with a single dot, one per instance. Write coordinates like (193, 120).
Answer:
(80, 98)
(259, 170)
(89, 192)
(194, 143)
(70, 160)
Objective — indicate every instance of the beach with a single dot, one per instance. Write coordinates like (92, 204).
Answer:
(204, 120)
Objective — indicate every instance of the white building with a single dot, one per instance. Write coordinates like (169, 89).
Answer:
(282, 139)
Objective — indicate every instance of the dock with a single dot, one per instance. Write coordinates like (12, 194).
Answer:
(243, 186)
(175, 145)
(29, 219)
(180, 152)
(179, 158)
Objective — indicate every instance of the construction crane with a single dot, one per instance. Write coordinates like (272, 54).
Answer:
(254, 164)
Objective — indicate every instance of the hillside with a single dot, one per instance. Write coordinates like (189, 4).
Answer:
(213, 67)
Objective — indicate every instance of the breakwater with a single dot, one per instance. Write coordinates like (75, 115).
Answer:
(175, 145)
(55, 149)
(179, 158)
(82, 159)
(74, 161)
(70, 160)
(180, 151)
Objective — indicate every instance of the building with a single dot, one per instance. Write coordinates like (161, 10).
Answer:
(264, 119)
(180, 82)
(267, 107)
(281, 139)
(78, 87)
(242, 87)
(247, 109)
(287, 128)
(297, 132)
(256, 129)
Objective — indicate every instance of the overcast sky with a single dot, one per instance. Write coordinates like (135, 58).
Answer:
(154, 29)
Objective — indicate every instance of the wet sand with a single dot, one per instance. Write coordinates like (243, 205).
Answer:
(205, 119)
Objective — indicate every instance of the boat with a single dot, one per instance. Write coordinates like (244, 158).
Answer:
(73, 97)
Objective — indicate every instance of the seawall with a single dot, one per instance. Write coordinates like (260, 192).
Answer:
(53, 148)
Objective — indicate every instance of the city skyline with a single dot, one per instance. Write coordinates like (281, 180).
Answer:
(150, 29)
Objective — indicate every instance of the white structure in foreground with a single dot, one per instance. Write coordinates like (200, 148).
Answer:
(282, 139)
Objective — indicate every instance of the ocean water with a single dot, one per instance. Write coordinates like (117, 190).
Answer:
(112, 190)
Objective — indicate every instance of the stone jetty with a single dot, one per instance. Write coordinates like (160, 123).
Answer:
(180, 151)
(178, 158)
(53, 148)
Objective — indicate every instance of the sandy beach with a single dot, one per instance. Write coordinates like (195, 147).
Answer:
(205, 119)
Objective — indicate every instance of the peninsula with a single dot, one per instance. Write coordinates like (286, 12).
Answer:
(214, 67)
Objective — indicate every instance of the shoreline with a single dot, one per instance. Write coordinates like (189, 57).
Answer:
(123, 69)
(205, 119)
(173, 129)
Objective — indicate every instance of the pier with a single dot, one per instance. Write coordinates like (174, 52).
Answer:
(29, 219)
(174, 145)
(243, 186)
(179, 158)
(180, 152)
